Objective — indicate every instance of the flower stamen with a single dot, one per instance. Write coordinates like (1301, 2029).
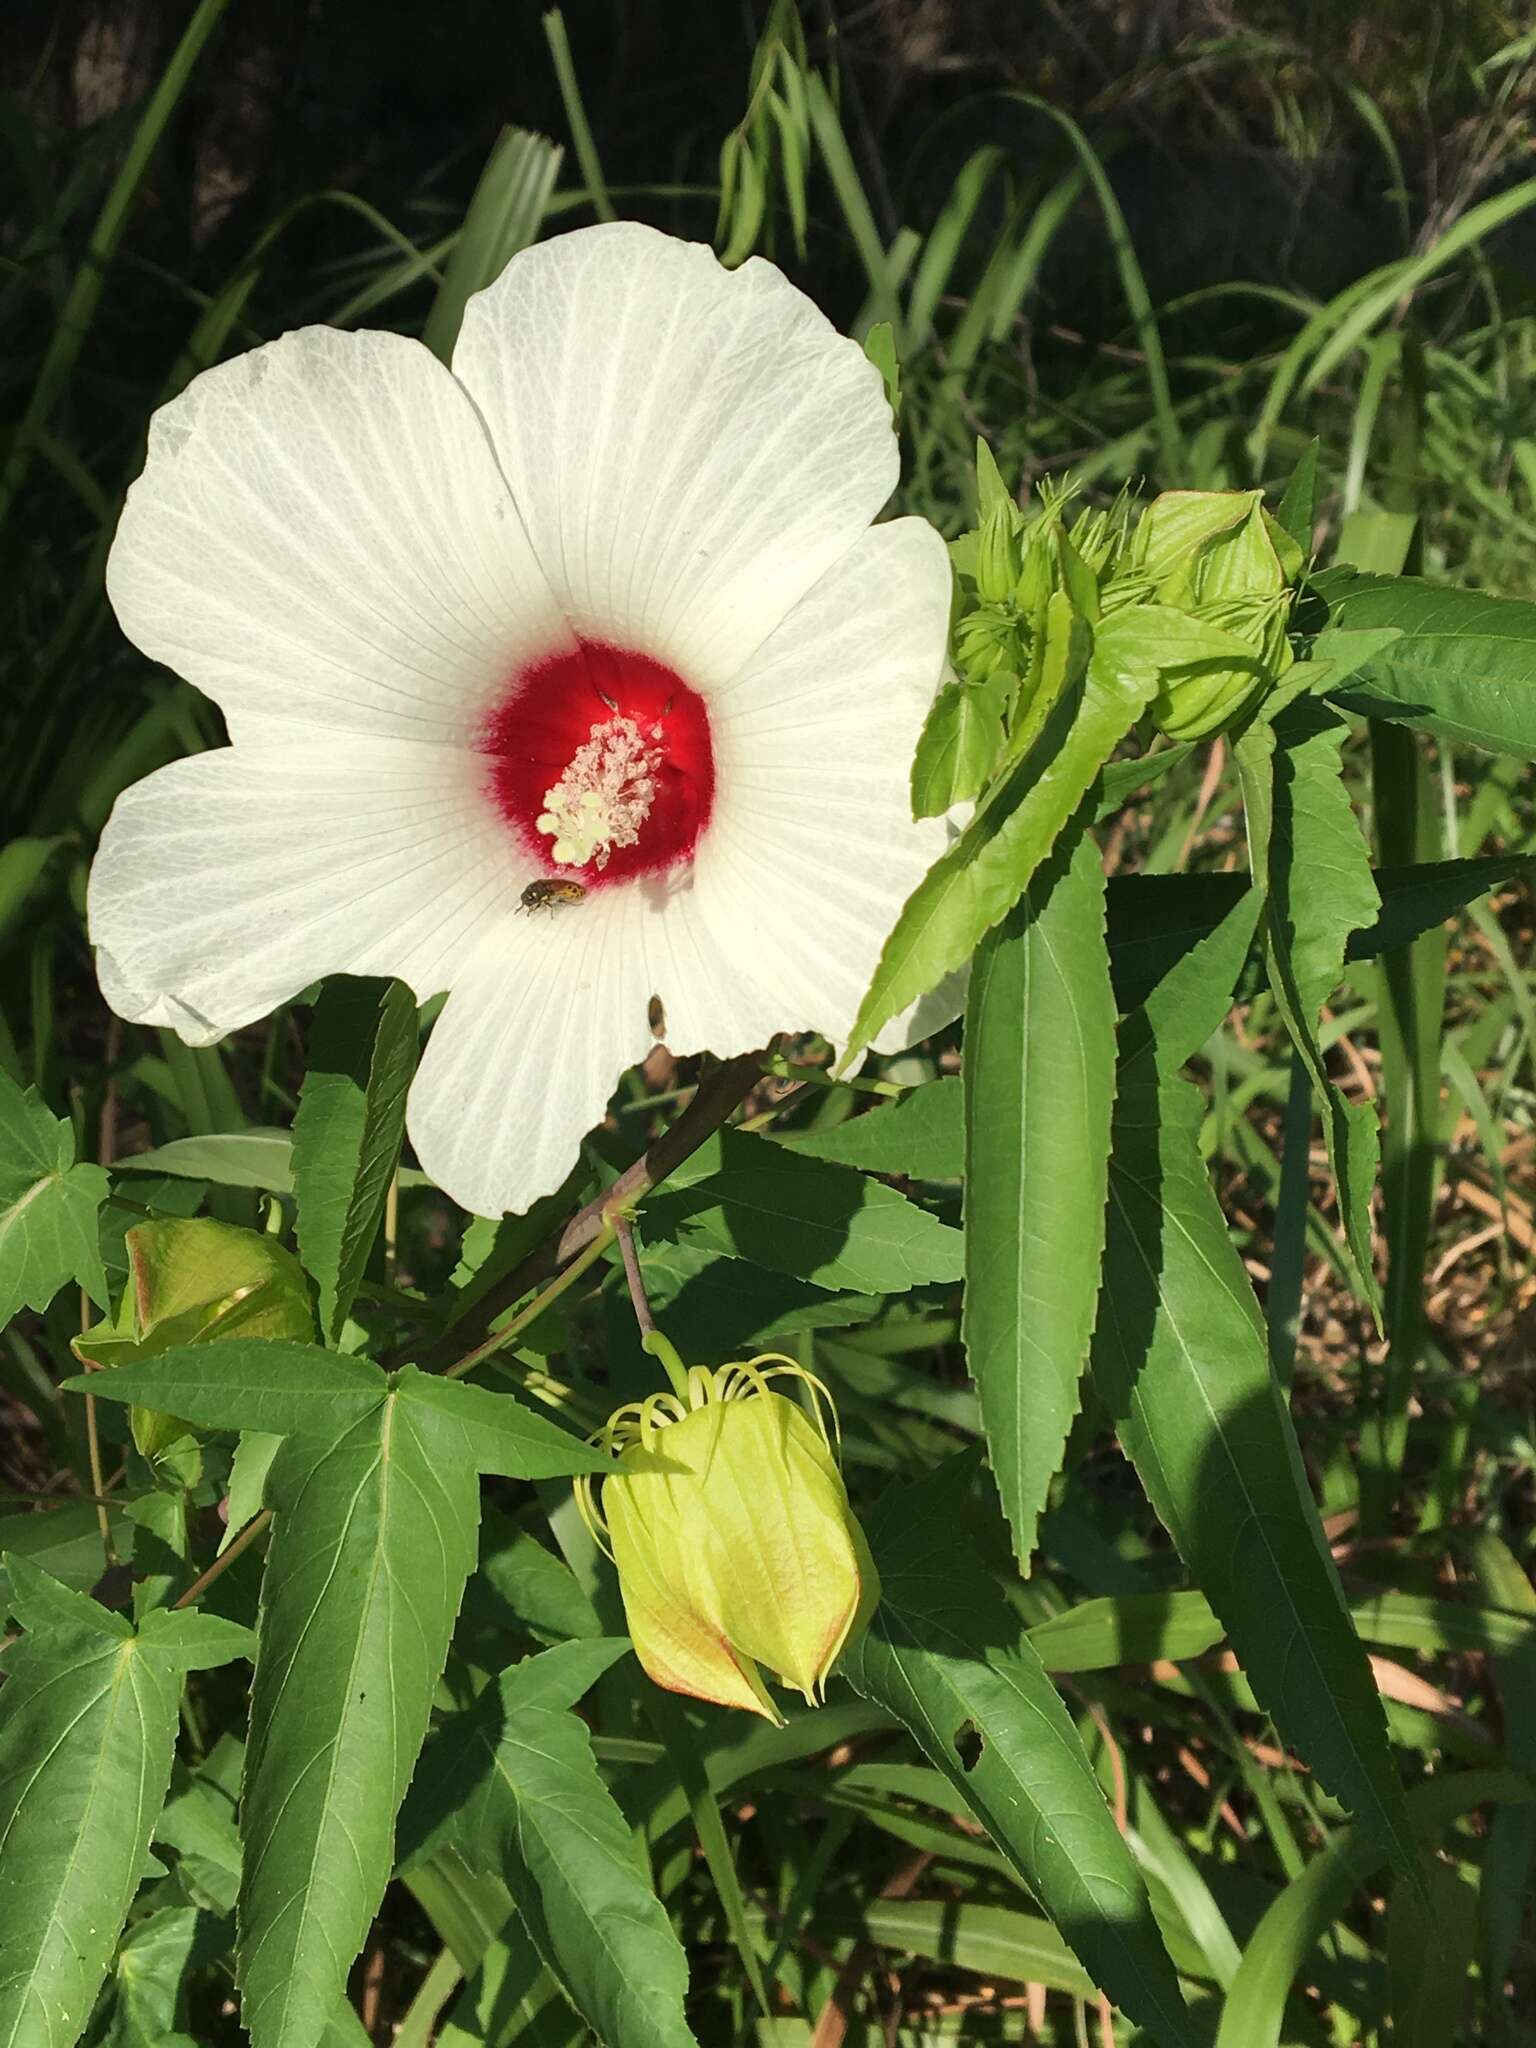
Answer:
(604, 795)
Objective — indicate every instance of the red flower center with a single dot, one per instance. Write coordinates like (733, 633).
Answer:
(601, 763)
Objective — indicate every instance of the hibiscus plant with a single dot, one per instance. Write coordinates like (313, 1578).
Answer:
(744, 1163)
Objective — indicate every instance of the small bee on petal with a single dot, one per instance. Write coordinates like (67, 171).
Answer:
(549, 893)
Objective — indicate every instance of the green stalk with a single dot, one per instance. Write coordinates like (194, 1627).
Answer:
(84, 294)
(576, 115)
(1170, 441)
(1411, 984)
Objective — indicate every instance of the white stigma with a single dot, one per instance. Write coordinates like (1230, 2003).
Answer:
(604, 796)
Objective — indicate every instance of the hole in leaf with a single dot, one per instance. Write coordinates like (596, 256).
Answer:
(968, 1745)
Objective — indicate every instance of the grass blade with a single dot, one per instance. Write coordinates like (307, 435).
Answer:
(74, 322)
(1292, 1926)
(576, 115)
(1170, 440)
(505, 215)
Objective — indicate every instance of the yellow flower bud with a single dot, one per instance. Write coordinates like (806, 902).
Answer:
(727, 1518)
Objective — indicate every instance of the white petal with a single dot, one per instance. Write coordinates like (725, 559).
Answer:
(528, 1049)
(227, 882)
(809, 855)
(321, 537)
(690, 447)
(931, 1012)
(812, 849)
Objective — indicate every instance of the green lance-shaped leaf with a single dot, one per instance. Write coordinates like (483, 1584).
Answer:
(346, 1136)
(258, 1158)
(978, 880)
(1039, 1081)
(494, 1432)
(299, 1390)
(946, 1655)
(48, 1206)
(514, 1787)
(1180, 1362)
(1154, 920)
(250, 1383)
(88, 1716)
(921, 1136)
(1463, 664)
(1297, 512)
(992, 1941)
(1310, 859)
(373, 1540)
(754, 1199)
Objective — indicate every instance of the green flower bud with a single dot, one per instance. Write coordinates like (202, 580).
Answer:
(988, 642)
(193, 1281)
(727, 1518)
(1038, 571)
(1100, 536)
(1205, 700)
(1176, 533)
(997, 557)
(1213, 555)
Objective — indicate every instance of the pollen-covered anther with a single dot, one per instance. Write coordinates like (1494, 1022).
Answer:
(603, 797)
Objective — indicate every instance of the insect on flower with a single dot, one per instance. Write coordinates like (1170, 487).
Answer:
(551, 892)
(602, 602)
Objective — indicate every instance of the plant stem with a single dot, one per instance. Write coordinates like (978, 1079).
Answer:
(717, 1095)
(818, 1077)
(624, 1232)
(226, 1558)
(93, 1450)
(662, 1347)
(589, 1256)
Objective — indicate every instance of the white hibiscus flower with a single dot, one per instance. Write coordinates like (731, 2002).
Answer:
(601, 608)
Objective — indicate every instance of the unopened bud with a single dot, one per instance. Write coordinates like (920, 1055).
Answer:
(997, 556)
(727, 1518)
(1213, 554)
(194, 1281)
